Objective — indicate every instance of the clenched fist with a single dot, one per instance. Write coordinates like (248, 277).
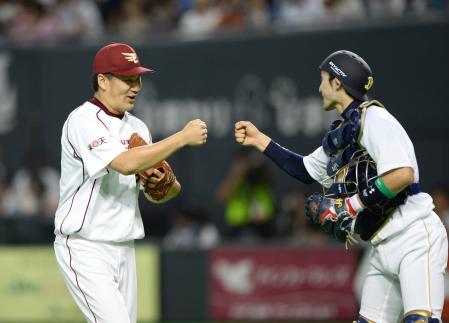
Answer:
(195, 132)
(247, 134)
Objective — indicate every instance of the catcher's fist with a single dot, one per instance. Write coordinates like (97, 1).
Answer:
(195, 132)
(246, 133)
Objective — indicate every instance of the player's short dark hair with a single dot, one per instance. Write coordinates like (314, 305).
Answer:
(95, 81)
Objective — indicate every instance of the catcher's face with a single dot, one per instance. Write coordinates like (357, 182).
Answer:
(328, 91)
(121, 92)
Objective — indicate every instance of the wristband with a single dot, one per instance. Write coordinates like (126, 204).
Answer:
(378, 192)
(384, 188)
(354, 204)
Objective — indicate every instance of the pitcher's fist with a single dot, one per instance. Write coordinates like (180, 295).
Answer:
(195, 132)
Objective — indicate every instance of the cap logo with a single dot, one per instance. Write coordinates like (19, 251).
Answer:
(131, 57)
(369, 84)
(336, 69)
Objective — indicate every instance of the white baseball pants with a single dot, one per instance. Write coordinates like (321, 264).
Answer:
(406, 273)
(101, 277)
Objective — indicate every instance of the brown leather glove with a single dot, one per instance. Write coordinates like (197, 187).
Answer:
(160, 190)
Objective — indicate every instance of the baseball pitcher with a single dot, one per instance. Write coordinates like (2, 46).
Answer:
(107, 158)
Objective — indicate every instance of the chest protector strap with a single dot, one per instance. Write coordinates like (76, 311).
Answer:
(343, 139)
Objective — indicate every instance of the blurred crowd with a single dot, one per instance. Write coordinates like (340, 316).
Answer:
(32, 190)
(25, 21)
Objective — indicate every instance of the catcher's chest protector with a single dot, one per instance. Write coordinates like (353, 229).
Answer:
(352, 169)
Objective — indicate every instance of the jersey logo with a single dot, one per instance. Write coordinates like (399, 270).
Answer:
(370, 83)
(131, 57)
(97, 142)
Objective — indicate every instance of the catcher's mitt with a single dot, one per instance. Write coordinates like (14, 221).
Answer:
(332, 216)
(160, 190)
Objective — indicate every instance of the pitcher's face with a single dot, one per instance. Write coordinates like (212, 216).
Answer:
(122, 91)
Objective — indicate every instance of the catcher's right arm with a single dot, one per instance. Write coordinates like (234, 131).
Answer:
(157, 181)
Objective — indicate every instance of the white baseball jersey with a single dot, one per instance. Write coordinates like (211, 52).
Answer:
(409, 254)
(96, 202)
(98, 215)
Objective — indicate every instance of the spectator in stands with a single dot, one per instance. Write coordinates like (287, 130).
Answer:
(34, 187)
(134, 23)
(300, 12)
(385, 8)
(293, 225)
(8, 10)
(231, 14)
(53, 20)
(33, 23)
(183, 231)
(201, 20)
(248, 198)
(208, 235)
(78, 19)
(191, 229)
(163, 16)
(344, 10)
(257, 14)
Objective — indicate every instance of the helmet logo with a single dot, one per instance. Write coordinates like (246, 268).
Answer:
(131, 57)
(369, 84)
(336, 69)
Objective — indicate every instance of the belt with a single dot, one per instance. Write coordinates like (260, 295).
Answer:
(415, 188)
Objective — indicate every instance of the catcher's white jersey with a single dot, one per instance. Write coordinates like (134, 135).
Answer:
(390, 147)
(96, 202)
(409, 253)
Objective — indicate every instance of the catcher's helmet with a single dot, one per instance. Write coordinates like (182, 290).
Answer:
(352, 71)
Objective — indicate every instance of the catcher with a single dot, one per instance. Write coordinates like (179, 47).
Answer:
(367, 167)
(98, 218)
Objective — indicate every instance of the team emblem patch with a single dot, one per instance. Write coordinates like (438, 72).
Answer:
(370, 83)
(97, 142)
(131, 57)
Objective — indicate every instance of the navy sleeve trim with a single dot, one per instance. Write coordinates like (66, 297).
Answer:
(288, 161)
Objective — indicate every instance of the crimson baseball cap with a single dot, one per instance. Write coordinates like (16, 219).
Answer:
(118, 58)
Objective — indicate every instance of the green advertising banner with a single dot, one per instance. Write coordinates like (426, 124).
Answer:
(32, 288)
